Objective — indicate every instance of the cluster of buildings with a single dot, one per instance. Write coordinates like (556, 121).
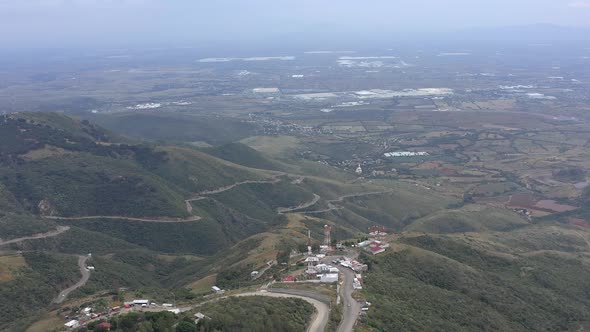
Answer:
(352, 264)
(375, 244)
(87, 314)
(324, 272)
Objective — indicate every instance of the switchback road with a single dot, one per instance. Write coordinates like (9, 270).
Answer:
(85, 275)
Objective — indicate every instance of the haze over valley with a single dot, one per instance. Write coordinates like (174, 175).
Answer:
(309, 167)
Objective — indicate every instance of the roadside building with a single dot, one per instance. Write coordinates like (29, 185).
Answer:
(329, 277)
(217, 290)
(143, 303)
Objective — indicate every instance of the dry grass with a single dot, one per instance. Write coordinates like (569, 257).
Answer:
(172, 258)
(272, 145)
(203, 285)
(49, 323)
(8, 264)
(46, 152)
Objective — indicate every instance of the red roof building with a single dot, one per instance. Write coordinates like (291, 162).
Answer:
(104, 326)
(288, 279)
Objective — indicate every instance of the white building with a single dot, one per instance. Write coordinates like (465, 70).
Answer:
(217, 290)
(72, 324)
(313, 260)
(141, 302)
(329, 277)
(359, 170)
(356, 284)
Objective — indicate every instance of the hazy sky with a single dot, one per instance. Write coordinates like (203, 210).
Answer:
(71, 22)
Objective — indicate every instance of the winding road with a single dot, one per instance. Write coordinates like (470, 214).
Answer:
(58, 231)
(85, 275)
(202, 195)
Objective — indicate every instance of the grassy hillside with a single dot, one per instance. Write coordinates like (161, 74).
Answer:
(195, 171)
(176, 127)
(54, 165)
(82, 184)
(446, 283)
(34, 286)
(244, 155)
(261, 200)
(471, 218)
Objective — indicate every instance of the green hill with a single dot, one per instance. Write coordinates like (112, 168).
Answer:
(460, 284)
(54, 165)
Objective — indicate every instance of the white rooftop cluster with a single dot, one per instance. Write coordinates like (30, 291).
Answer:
(257, 58)
(266, 90)
(379, 93)
(405, 154)
(145, 106)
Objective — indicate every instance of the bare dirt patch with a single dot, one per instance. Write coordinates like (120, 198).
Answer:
(548, 204)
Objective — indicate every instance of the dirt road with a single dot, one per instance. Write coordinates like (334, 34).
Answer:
(332, 206)
(305, 205)
(85, 275)
(169, 220)
(200, 195)
(59, 230)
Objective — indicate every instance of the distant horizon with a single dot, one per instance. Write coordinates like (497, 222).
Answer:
(59, 23)
(518, 33)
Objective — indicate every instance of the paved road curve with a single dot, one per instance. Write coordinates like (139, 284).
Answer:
(352, 308)
(85, 275)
